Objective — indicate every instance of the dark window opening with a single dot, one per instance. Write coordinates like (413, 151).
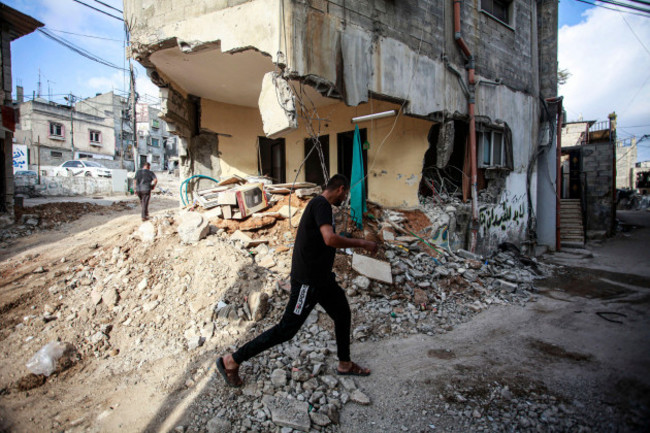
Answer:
(499, 9)
(271, 159)
(313, 166)
(55, 154)
(143, 160)
(445, 181)
(345, 142)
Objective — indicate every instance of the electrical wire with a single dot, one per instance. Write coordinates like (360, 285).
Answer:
(98, 10)
(86, 36)
(613, 9)
(108, 6)
(79, 50)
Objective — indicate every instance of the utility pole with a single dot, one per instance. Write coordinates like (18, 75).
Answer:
(134, 99)
(71, 99)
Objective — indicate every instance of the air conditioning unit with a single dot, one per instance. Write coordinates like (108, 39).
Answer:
(140, 133)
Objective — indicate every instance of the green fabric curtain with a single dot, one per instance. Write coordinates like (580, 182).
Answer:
(357, 182)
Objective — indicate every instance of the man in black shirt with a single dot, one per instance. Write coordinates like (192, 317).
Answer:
(145, 181)
(312, 282)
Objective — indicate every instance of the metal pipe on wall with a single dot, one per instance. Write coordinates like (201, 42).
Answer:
(472, 122)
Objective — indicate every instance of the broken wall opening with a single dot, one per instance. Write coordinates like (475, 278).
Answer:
(442, 171)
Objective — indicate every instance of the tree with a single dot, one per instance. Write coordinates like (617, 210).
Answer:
(562, 76)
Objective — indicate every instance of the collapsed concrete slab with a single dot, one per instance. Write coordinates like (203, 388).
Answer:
(277, 106)
(372, 268)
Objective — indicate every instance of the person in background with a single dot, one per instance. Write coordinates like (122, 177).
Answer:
(145, 182)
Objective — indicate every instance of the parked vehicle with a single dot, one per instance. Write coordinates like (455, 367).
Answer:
(28, 173)
(82, 168)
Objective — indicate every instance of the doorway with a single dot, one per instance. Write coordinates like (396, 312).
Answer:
(143, 160)
(313, 168)
(271, 159)
(345, 142)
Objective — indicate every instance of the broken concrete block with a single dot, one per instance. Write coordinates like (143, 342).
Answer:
(258, 302)
(241, 237)
(420, 297)
(218, 425)
(468, 255)
(267, 262)
(288, 413)
(361, 282)
(213, 213)
(286, 213)
(193, 228)
(372, 268)
(308, 192)
(388, 236)
(146, 232)
(279, 378)
(110, 297)
(359, 397)
(277, 106)
(506, 285)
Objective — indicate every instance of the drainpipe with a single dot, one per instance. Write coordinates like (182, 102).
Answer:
(472, 123)
(558, 170)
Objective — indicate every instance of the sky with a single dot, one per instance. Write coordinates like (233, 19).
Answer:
(63, 71)
(606, 52)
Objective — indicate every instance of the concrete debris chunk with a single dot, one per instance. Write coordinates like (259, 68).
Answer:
(308, 192)
(320, 419)
(246, 240)
(193, 228)
(361, 282)
(143, 284)
(372, 268)
(288, 413)
(468, 255)
(287, 212)
(258, 303)
(218, 425)
(277, 106)
(359, 397)
(267, 262)
(279, 378)
(146, 232)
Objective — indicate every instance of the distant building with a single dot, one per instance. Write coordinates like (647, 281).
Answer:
(13, 25)
(155, 143)
(54, 133)
(626, 155)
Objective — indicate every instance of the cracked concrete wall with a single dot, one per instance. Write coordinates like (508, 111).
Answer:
(193, 23)
(507, 220)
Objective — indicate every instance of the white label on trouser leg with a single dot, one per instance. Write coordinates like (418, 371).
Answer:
(301, 299)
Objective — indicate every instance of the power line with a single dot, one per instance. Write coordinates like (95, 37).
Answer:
(79, 50)
(99, 10)
(625, 5)
(634, 33)
(613, 9)
(86, 36)
(116, 9)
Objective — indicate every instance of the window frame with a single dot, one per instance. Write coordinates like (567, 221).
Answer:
(510, 11)
(97, 142)
(151, 142)
(55, 136)
(482, 140)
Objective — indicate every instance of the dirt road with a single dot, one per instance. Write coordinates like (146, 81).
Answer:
(575, 357)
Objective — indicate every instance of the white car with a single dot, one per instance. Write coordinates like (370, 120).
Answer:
(82, 168)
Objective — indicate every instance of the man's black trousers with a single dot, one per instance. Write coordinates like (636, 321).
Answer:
(329, 295)
(144, 202)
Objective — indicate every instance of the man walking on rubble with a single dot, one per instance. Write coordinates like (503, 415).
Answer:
(312, 282)
(145, 182)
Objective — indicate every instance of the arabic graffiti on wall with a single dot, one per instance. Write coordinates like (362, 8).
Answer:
(20, 157)
(510, 211)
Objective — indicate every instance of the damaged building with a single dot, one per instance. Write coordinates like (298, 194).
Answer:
(455, 100)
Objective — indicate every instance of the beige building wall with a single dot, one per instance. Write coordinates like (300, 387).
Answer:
(572, 132)
(394, 170)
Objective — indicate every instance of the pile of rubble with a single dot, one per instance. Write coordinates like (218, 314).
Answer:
(148, 297)
(50, 215)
